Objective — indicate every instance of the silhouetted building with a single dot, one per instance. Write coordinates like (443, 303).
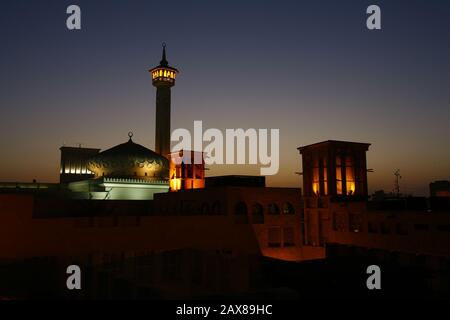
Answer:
(440, 189)
(236, 181)
(74, 163)
(334, 184)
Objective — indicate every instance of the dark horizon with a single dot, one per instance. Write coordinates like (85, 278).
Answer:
(311, 69)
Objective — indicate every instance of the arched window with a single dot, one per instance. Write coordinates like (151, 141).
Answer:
(257, 213)
(174, 209)
(288, 208)
(274, 209)
(187, 208)
(216, 208)
(240, 212)
(205, 209)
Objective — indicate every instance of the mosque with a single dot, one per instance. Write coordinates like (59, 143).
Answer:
(130, 171)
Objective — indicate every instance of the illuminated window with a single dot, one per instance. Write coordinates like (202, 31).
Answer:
(325, 176)
(349, 175)
(338, 175)
(316, 184)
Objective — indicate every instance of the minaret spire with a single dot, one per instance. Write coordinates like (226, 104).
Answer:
(164, 60)
(163, 78)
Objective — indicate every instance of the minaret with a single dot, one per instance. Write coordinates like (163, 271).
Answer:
(163, 78)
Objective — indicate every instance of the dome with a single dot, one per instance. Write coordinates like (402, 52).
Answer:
(129, 160)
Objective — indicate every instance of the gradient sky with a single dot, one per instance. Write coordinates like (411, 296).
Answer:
(309, 68)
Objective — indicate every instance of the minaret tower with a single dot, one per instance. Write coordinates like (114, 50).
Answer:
(163, 78)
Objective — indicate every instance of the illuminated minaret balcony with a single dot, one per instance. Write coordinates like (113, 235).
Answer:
(163, 75)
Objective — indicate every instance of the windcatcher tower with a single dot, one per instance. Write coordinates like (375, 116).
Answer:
(163, 78)
(334, 190)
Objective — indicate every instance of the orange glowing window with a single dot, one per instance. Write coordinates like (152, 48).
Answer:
(350, 175)
(345, 175)
(325, 176)
(338, 175)
(316, 185)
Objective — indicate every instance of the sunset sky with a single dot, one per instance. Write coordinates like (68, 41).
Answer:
(309, 68)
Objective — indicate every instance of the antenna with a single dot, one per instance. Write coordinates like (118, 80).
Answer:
(397, 182)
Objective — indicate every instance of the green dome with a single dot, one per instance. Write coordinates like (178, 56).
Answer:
(129, 160)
